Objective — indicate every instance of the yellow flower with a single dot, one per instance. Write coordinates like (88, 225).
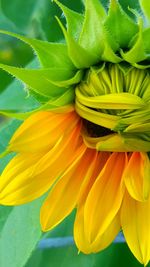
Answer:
(90, 140)
(51, 151)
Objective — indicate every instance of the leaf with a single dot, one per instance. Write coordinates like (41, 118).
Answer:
(25, 15)
(69, 256)
(6, 132)
(4, 213)
(14, 98)
(5, 22)
(21, 237)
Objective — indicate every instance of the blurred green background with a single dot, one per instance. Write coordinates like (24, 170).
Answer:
(19, 226)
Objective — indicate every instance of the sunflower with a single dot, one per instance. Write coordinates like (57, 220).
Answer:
(89, 140)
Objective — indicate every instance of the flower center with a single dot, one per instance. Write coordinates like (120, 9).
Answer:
(95, 130)
(114, 102)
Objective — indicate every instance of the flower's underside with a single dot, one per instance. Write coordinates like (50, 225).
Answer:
(90, 137)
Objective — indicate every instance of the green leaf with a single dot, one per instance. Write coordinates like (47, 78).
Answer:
(6, 132)
(20, 234)
(12, 13)
(16, 98)
(5, 22)
(4, 213)
(92, 35)
(26, 16)
(69, 257)
(120, 25)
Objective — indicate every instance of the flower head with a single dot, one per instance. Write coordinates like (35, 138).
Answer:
(89, 140)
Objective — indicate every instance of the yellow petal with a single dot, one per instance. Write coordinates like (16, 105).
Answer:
(135, 222)
(105, 197)
(33, 177)
(96, 167)
(18, 165)
(16, 180)
(79, 233)
(102, 242)
(63, 197)
(108, 236)
(41, 131)
(137, 176)
(59, 157)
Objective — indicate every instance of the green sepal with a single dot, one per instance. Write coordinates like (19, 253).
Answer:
(40, 98)
(140, 66)
(80, 57)
(120, 25)
(145, 6)
(92, 34)
(109, 55)
(74, 80)
(137, 50)
(146, 40)
(49, 54)
(62, 103)
(43, 81)
(74, 20)
(125, 67)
